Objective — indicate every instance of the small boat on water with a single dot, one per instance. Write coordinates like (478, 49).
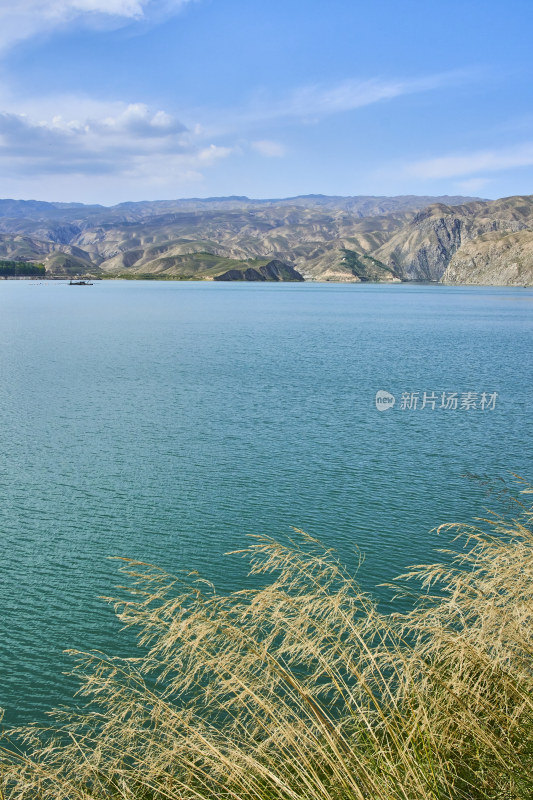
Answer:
(79, 283)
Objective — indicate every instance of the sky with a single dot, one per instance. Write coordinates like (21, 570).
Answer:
(106, 101)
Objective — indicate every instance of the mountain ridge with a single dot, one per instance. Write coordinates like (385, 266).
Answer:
(357, 238)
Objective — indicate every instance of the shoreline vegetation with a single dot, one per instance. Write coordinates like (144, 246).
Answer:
(304, 689)
(21, 269)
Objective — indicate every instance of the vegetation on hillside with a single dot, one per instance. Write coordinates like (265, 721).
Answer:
(304, 690)
(12, 269)
(367, 268)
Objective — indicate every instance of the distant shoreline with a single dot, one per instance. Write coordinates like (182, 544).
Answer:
(178, 279)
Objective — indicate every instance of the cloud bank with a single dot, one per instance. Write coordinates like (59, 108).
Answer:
(131, 147)
(81, 136)
(132, 142)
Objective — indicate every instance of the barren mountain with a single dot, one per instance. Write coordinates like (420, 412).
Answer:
(495, 258)
(317, 237)
(424, 248)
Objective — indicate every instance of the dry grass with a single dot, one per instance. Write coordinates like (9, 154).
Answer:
(304, 690)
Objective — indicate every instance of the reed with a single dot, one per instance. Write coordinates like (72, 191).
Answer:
(304, 689)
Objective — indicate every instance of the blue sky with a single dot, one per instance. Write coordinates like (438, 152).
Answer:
(113, 100)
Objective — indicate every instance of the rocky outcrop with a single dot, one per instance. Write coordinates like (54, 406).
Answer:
(273, 271)
(424, 248)
(494, 259)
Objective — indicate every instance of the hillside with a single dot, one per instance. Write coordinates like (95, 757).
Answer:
(495, 258)
(423, 249)
(447, 239)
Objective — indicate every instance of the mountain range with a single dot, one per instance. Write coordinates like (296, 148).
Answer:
(457, 240)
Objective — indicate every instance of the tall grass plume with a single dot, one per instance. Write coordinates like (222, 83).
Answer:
(304, 689)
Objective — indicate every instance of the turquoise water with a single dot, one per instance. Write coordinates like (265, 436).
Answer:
(166, 421)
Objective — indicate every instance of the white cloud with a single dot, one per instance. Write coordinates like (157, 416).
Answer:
(137, 120)
(472, 185)
(311, 100)
(213, 153)
(456, 165)
(131, 141)
(269, 148)
(310, 103)
(27, 18)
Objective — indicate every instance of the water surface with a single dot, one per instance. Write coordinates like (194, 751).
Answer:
(167, 421)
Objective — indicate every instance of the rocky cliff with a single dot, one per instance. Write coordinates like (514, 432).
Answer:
(425, 247)
(493, 258)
